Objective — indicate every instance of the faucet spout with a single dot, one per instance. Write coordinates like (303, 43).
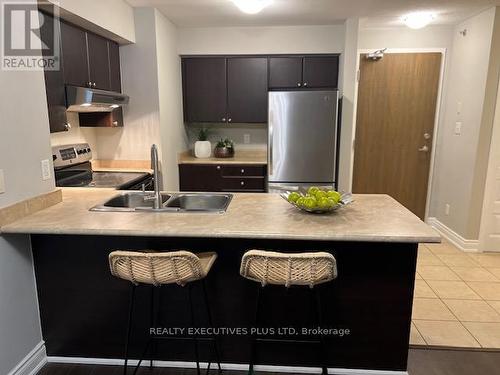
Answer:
(155, 166)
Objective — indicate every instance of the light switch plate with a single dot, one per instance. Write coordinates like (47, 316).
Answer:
(446, 209)
(2, 182)
(246, 138)
(458, 128)
(45, 169)
(459, 108)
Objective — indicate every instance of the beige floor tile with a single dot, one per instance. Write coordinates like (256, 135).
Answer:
(422, 290)
(429, 260)
(488, 291)
(474, 274)
(431, 309)
(458, 260)
(487, 260)
(443, 248)
(437, 273)
(417, 276)
(452, 289)
(472, 311)
(495, 305)
(494, 271)
(415, 336)
(488, 334)
(423, 250)
(446, 334)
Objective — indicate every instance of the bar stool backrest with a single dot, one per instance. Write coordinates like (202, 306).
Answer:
(156, 268)
(269, 267)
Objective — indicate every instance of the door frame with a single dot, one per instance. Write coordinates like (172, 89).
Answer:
(437, 115)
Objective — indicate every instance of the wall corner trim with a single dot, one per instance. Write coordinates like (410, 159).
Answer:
(32, 363)
(453, 237)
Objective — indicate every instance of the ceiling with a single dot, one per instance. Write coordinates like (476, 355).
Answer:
(374, 13)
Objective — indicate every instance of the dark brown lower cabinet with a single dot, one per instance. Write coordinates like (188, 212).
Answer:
(223, 177)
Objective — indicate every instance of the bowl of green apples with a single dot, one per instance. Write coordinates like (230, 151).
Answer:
(317, 200)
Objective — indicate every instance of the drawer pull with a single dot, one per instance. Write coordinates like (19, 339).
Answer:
(242, 171)
(242, 183)
(218, 167)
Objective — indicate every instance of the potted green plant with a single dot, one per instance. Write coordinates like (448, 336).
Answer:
(202, 147)
(224, 149)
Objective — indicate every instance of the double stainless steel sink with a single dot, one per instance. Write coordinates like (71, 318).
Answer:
(181, 202)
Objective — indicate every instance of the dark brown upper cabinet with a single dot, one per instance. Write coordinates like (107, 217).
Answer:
(285, 72)
(321, 72)
(247, 89)
(204, 89)
(114, 67)
(98, 62)
(292, 72)
(89, 60)
(74, 55)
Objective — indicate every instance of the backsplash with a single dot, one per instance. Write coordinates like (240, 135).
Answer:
(76, 135)
(236, 132)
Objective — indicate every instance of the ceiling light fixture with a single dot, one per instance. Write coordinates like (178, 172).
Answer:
(418, 20)
(252, 6)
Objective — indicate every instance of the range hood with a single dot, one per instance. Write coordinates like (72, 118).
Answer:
(83, 99)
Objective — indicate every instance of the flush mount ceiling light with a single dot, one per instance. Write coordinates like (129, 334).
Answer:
(252, 6)
(418, 20)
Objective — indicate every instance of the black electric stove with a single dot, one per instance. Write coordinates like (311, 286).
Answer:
(72, 168)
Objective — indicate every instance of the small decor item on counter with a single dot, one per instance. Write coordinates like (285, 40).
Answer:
(202, 147)
(316, 200)
(224, 149)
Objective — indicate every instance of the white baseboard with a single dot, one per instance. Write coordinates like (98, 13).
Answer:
(453, 237)
(32, 363)
(225, 366)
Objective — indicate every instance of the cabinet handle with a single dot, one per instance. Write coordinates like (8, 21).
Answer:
(67, 126)
(93, 85)
(223, 119)
(229, 120)
(115, 123)
(242, 183)
(299, 84)
(242, 171)
(305, 84)
(218, 167)
(89, 84)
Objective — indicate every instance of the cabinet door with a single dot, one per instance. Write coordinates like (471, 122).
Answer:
(98, 61)
(321, 72)
(54, 79)
(205, 91)
(74, 55)
(199, 177)
(285, 72)
(114, 66)
(247, 89)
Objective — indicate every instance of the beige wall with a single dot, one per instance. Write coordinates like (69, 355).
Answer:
(456, 155)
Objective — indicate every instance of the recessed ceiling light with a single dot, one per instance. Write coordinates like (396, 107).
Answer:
(252, 6)
(418, 20)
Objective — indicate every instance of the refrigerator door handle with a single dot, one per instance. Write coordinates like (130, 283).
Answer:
(270, 153)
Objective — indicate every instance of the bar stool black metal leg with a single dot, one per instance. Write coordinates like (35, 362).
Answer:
(319, 317)
(129, 326)
(210, 322)
(253, 344)
(195, 338)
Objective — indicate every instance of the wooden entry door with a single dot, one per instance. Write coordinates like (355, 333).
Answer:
(397, 99)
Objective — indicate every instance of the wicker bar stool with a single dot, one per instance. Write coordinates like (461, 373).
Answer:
(155, 269)
(289, 269)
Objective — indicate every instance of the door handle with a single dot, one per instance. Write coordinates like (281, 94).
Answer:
(424, 148)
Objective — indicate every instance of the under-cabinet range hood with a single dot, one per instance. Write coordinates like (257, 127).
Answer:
(83, 99)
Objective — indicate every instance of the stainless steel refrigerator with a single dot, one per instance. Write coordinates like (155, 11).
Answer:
(302, 144)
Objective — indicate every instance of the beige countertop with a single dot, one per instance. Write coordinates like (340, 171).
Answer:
(371, 218)
(240, 157)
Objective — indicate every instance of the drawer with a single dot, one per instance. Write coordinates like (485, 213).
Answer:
(243, 170)
(243, 184)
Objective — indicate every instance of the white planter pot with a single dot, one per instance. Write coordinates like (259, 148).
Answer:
(202, 149)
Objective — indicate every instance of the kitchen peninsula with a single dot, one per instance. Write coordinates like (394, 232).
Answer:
(374, 240)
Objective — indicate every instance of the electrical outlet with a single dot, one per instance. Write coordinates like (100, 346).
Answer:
(246, 138)
(459, 108)
(458, 128)
(2, 182)
(446, 209)
(45, 169)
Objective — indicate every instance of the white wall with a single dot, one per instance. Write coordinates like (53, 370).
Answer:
(24, 142)
(113, 16)
(456, 155)
(261, 40)
(173, 135)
